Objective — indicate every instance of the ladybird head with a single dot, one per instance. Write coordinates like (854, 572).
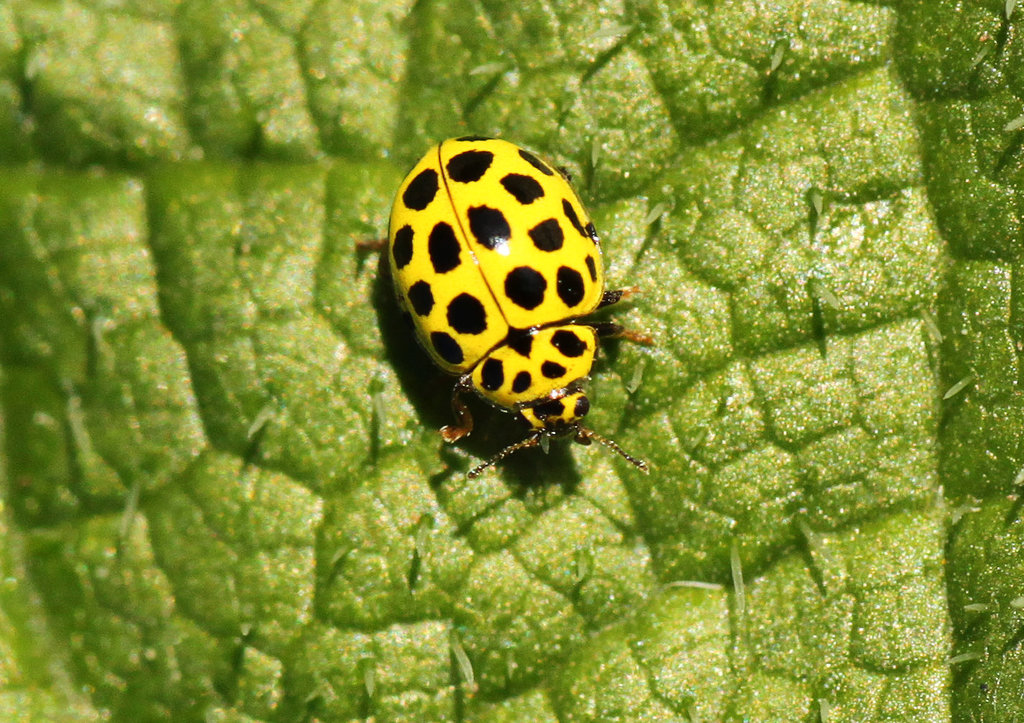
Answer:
(558, 418)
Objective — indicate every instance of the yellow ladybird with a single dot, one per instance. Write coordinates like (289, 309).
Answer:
(495, 260)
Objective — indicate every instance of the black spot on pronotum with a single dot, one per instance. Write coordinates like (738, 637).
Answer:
(525, 287)
(521, 382)
(592, 268)
(474, 138)
(582, 407)
(446, 347)
(469, 166)
(547, 235)
(489, 227)
(568, 343)
(443, 248)
(536, 162)
(492, 375)
(421, 190)
(570, 286)
(466, 314)
(401, 247)
(421, 298)
(552, 370)
(524, 189)
(570, 213)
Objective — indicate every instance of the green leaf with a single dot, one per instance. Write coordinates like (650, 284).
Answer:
(224, 495)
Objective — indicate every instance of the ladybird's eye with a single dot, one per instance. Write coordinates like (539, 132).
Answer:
(582, 408)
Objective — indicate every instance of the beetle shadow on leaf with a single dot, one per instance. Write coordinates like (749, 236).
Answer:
(429, 390)
(427, 387)
(536, 468)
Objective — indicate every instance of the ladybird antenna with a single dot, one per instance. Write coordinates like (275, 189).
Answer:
(532, 441)
(638, 463)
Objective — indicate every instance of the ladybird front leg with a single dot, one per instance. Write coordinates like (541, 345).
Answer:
(463, 419)
(616, 295)
(611, 330)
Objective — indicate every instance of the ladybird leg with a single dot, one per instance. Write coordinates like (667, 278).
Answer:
(584, 436)
(371, 244)
(532, 441)
(463, 419)
(613, 297)
(611, 330)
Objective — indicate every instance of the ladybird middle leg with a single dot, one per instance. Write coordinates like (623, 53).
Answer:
(611, 330)
(463, 418)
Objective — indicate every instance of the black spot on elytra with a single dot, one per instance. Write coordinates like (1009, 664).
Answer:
(521, 382)
(570, 213)
(568, 343)
(552, 370)
(466, 314)
(443, 248)
(492, 375)
(547, 235)
(536, 162)
(446, 347)
(592, 268)
(525, 287)
(421, 191)
(582, 407)
(521, 344)
(524, 189)
(591, 231)
(570, 286)
(421, 298)
(401, 247)
(469, 166)
(489, 227)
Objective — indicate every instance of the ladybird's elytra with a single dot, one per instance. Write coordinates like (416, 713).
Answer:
(497, 262)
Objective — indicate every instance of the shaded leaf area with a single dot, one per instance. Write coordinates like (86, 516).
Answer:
(225, 495)
(965, 70)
